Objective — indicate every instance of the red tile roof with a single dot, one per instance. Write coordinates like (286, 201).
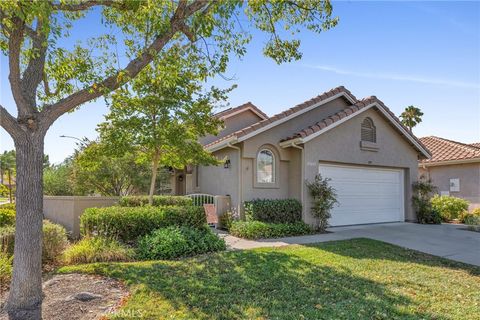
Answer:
(246, 106)
(476, 144)
(448, 150)
(286, 113)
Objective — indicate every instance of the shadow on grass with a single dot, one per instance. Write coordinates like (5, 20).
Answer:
(293, 283)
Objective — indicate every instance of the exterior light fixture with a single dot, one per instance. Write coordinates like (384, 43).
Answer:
(226, 165)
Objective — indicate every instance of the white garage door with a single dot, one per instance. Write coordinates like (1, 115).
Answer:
(365, 195)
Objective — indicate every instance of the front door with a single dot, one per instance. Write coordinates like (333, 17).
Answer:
(180, 182)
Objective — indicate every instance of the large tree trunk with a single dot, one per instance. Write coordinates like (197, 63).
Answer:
(25, 299)
(155, 161)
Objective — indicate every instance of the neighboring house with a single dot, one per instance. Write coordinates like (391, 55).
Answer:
(454, 168)
(360, 144)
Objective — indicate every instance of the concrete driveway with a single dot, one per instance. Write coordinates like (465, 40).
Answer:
(446, 240)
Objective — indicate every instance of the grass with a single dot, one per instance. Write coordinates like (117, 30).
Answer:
(96, 250)
(352, 279)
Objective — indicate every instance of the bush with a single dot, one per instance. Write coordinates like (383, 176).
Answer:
(449, 207)
(174, 242)
(226, 220)
(98, 249)
(54, 241)
(7, 239)
(8, 206)
(7, 217)
(5, 269)
(324, 198)
(422, 193)
(158, 201)
(258, 229)
(273, 210)
(471, 219)
(127, 224)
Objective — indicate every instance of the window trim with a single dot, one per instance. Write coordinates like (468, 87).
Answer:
(275, 169)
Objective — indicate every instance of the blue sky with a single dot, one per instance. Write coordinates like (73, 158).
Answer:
(421, 53)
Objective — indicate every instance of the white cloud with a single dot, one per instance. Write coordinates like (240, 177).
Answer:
(397, 77)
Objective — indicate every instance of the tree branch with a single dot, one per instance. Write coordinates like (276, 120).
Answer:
(33, 74)
(9, 123)
(183, 11)
(14, 47)
(86, 5)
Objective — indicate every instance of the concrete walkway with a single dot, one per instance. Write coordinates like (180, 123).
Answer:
(446, 240)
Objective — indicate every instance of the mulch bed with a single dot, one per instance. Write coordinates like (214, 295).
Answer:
(78, 297)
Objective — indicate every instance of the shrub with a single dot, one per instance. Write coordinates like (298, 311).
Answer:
(449, 207)
(471, 219)
(324, 198)
(273, 210)
(422, 193)
(97, 249)
(258, 229)
(5, 269)
(7, 217)
(8, 206)
(7, 239)
(226, 220)
(158, 201)
(54, 241)
(127, 224)
(174, 242)
(476, 212)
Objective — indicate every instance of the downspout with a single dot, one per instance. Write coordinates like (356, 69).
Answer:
(302, 183)
(240, 178)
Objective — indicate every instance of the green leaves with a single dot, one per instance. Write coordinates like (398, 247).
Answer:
(411, 116)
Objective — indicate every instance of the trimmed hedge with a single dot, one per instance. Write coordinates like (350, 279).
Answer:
(158, 201)
(174, 242)
(273, 210)
(127, 224)
(7, 217)
(258, 229)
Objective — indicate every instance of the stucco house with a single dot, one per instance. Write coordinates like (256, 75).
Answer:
(454, 168)
(361, 145)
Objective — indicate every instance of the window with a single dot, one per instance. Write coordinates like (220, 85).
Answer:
(265, 166)
(368, 131)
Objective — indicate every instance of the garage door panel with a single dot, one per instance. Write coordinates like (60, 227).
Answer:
(366, 189)
(365, 195)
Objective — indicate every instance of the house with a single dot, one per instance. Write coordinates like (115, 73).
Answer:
(454, 168)
(361, 145)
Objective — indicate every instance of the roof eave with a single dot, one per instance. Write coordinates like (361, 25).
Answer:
(448, 162)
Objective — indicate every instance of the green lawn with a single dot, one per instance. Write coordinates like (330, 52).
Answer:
(353, 279)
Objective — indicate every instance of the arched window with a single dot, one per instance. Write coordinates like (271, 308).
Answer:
(265, 166)
(368, 131)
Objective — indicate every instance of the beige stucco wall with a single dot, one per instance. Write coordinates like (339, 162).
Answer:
(342, 145)
(232, 124)
(66, 210)
(217, 180)
(468, 173)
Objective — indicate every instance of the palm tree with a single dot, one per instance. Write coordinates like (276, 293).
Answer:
(411, 116)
